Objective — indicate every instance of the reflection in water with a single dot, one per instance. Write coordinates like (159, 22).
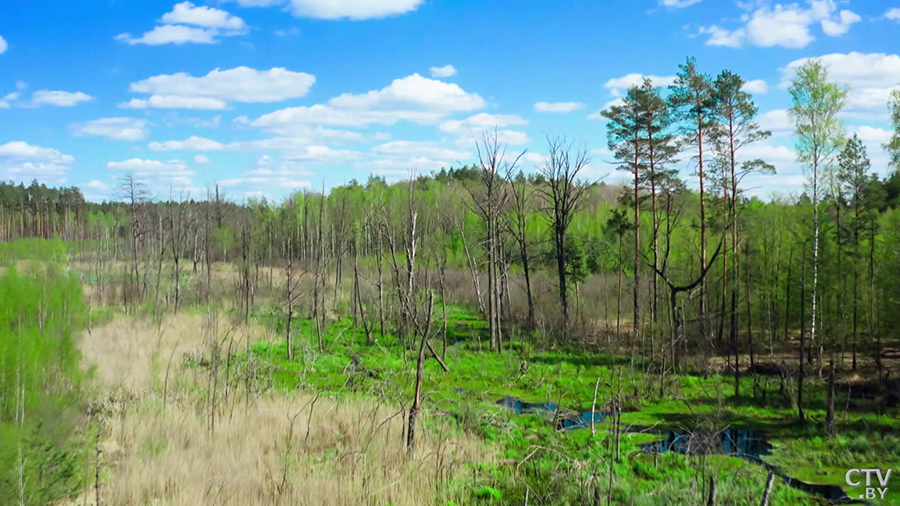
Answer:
(749, 445)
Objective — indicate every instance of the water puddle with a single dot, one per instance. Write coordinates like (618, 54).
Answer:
(750, 445)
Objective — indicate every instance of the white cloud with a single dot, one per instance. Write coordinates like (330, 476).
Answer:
(535, 158)
(321, 154)
(3, 45)
(864, 70)
(187, 23)
(201, 159)
(208, 123)
(617, 85)
(598, 114)
(186, 13)
(48, 173)
(240, 84)
(256, 3)
(872, 135)
(777, 121)
(294, 31)
(413, 91)
(172, 34)
(291, 148)
(776, 155)
(117, 129)
(20, 161)
(678, 4)
(419, 149)
(842, 25)
(758, 86)
(415, 98)
(298, 118)
(192, 143)
(871, 77)
(59, 98)
(722, 37)
(143, 168)
(445, 71)
(482, 121)
(509, 137)
(95, 187)
(557, 106)
(892, 14)
(20, 150)
(785, 25)
(175, 102)
(400, 167)
(351, 9)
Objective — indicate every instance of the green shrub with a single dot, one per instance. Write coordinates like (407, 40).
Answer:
(41, 310)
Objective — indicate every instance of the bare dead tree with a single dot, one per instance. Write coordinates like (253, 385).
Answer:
(563, 195)
(135, 195)
(420, 374)
(487, 201)
(517, 224)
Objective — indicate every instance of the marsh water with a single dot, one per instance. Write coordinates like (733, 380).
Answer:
(750, 445)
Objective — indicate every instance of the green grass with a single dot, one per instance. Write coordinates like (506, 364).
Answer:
(564, 467)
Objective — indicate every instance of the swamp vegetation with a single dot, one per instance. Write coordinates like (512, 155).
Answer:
(480, 335)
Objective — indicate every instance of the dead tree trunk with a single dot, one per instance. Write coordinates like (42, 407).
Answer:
(420, 376)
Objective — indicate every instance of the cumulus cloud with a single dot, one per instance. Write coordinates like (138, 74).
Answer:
(175, 102)
(482, 121)
(784, 25)
(192, 143)
(873, 135)
(508, 137)
(117, 129)
(186, 13)
(445, 71)
(617, 85)
(420, 149)
(59, 98)
(871, 78)
(678, 4)
(758, 86)
(141, 167)
(557, 106)
(20, 150)
(777, 121)
(414, 98)
(215, 89)
(722, 37)
(290, 148)
(413, 91)
(201, 159)
(189, 24)
(3, 45)
(20, 161)
(171, 34)
(293, 119)
(351, 9)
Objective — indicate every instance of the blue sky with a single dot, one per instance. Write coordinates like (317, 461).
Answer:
(265, 97)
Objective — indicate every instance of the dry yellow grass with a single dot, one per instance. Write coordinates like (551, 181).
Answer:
(278, 448)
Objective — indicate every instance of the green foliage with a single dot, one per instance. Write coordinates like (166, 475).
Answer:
(41, 309)
(46, 250)
(489, 493)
